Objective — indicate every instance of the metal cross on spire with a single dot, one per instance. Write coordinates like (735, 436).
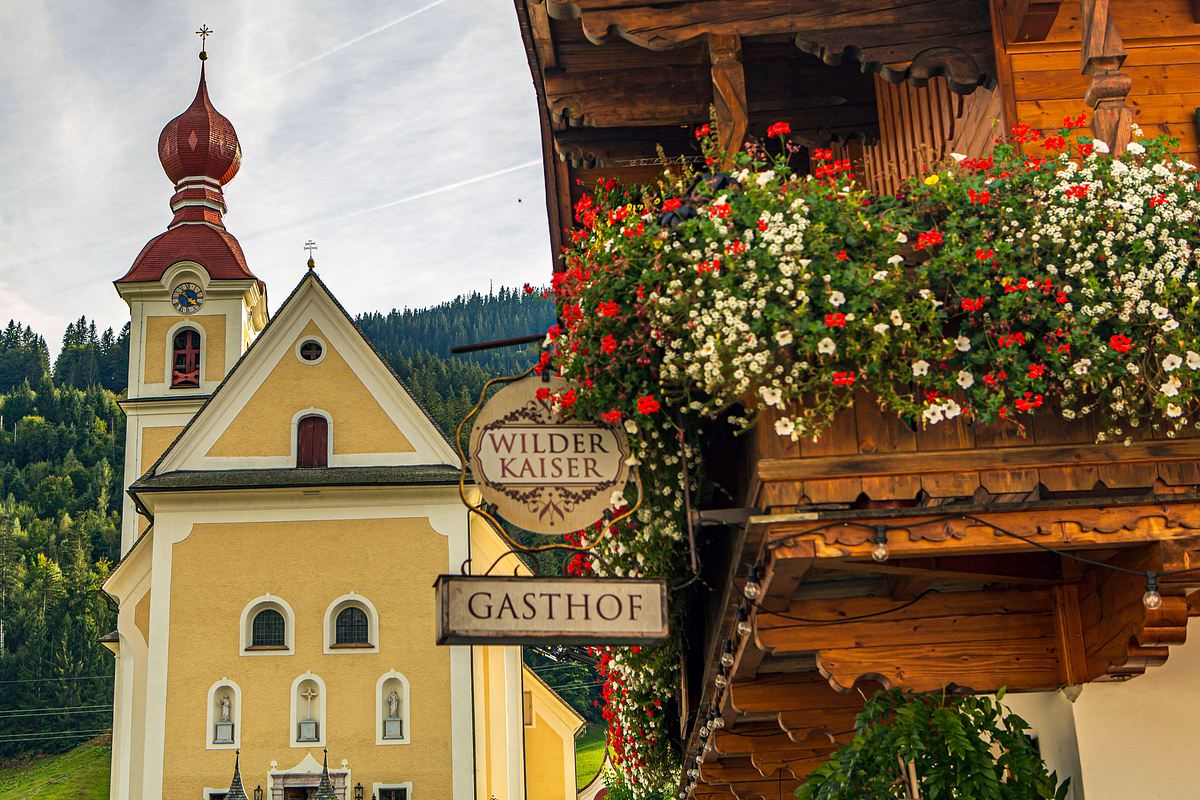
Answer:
(310, 246)
(204, 33)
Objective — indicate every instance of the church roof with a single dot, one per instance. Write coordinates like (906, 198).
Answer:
(215, 249)
(204, 480)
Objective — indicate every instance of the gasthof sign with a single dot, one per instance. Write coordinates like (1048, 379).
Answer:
(479, 609)
(543, 473)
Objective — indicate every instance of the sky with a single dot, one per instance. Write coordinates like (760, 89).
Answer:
(401, 135)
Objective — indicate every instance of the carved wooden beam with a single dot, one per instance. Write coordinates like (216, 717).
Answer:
(729, 89)
(1030, 20)
(1103, 53)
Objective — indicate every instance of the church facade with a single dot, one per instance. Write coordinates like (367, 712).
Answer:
(289, 506)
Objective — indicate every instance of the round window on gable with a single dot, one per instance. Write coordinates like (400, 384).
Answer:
(311, 351)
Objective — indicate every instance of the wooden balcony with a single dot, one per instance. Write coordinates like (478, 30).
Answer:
(979, 590)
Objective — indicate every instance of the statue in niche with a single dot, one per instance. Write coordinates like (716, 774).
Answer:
(393, 703)
(225, 706)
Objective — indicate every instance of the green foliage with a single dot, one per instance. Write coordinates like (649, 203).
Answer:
(87, 359)
(951, 747)
(574, 680)
(589, 755)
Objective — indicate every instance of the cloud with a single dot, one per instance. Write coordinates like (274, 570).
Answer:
(402, 137)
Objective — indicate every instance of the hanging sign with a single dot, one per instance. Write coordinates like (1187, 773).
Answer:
(484, 609)
(543, 473)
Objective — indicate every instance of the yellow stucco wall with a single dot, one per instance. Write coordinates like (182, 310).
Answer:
(545, 772)
(141, 617)
(155, 442)
(215, 574)
(157, 345)
(264, 426)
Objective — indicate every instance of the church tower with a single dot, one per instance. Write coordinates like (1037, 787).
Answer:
(194, 304)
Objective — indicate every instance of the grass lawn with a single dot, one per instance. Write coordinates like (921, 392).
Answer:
(589, 755)
(81, 773)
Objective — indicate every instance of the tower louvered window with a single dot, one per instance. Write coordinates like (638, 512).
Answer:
(185, 359)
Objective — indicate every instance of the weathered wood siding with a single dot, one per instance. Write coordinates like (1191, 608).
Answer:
(921, 126)
(1163, 42)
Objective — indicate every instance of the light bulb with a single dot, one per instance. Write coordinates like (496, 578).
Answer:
(744, 628)
(693, 772)
(704, 731)
(721, 681)
(1152, 599)
(880, 552)
(700, 758)
(727, 659)
(718, 722)
(751, 590)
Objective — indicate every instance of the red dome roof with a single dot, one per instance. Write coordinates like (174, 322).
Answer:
(200, 142)
(214, 249)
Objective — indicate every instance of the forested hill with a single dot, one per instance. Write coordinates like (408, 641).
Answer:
(61, 455)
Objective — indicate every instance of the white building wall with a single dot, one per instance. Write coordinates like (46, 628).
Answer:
(1139, 739)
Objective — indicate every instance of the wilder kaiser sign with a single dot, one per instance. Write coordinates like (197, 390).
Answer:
(481, 609)
(542, 473)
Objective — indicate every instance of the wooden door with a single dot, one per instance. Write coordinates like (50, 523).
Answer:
(312, 442)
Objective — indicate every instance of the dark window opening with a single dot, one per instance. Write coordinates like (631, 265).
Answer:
(393, 794)
(351, 627)
(185, 359)
(269, 629)
(311, 350)
(312, 442)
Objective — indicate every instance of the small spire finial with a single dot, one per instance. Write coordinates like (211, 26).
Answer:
(204, 33)
(310, 246)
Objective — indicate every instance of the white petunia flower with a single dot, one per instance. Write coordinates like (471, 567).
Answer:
(952, 408)
(631, 426)
(618, 499)
(826, 346)
(1173, 410)
(1100, 146)
(1081, 366)
(963, 344)
(1171, 387)
(896, 317)
(881, 275)
(836, 298)
(783, 338)
(1172, 362)
(770, 396)
(933, 414)
(882, 328)
(1170, 325)
(1136, 148)
(901, 237)
(1193, 360)
(958, 157)
(764, 178)
(920, 368)
(965, 379)
(896, 259)
(784, 426)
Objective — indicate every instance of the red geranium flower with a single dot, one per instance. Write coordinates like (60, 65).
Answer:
(703, 130)
(1078, 191)
(611, 417)
(844, 378)
(841, 255)
(979, 198)
(835, 320)
(1120, 342)
(928, 239)
(1037, 370)
(779, 129)
(985, 254)
(647, 405)
(671, 204)
(973, 305)
(608, 308)
(608, 344)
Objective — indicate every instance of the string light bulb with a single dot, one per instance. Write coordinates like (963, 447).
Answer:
(744, 628)
(752, 588)
(1152, 599)
(721, 681)
(704, 731)
(727, 656)
(880, 551)
(718, 722)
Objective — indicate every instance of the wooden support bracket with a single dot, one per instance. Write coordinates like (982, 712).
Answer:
(1030, 20)
(729, 89)
(1103, 52)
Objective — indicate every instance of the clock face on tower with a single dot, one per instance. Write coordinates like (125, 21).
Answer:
(187, 298)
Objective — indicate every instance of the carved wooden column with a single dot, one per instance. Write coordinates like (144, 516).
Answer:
(729, 89)
(1103, 53)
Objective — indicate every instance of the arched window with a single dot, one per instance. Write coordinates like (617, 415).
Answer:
(185, 359)
(269, 629)
(312, 442)
(352, 627)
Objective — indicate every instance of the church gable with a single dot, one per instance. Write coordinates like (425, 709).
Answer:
(310, 392)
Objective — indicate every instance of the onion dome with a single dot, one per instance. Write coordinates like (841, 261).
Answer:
(200, 153)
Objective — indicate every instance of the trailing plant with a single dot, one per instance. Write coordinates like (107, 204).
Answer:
(993, 288)
(935, 747)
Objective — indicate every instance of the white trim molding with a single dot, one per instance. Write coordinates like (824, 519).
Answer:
(322, 704)
(235, 716)
(336, 607)
(245, 626)
(386, 679)
(375, 787)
